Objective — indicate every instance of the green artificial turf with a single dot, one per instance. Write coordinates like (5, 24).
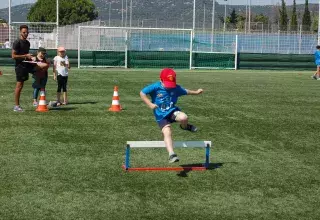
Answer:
(66, 163)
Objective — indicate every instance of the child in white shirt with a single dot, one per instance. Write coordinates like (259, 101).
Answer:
(60, 73)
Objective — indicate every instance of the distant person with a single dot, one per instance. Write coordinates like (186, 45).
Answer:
(20, 53)
(40, 43)
(7, 44)
(61, 68)
(316, 76)
(40, 77)
(164, 96)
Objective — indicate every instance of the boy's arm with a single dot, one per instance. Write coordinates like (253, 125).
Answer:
(147, 101)
(194, 92)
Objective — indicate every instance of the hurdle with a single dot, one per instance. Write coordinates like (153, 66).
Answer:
(160, 144)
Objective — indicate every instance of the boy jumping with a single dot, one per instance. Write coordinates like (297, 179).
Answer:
(164, 95)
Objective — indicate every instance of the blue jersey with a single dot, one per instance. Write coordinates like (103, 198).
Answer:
(317, 57)
(164, 98)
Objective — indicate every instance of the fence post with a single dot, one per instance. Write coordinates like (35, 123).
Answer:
(10, 23)
(236, 54)
(300, 38)
(319, 24)
(126, 50)
(278, 41)
(191, 48)
(261, 42)
(57, 21)
(79, 31)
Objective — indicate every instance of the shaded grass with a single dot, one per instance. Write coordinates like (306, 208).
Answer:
(66, 164)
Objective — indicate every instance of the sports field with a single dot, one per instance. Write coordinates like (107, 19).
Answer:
(66, 164)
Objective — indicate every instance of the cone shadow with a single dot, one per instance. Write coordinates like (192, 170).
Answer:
(63, 109)
(82, 103)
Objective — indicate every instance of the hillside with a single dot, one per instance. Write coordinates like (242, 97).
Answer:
(166, 12)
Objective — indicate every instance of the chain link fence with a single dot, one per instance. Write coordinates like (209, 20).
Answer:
(257, 41)
(212, 30)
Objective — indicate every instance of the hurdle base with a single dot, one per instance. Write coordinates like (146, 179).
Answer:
(163, 168)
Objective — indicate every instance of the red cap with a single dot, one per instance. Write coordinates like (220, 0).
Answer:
(168, 78)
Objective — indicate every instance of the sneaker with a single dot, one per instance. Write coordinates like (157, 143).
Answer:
(173, 158)
(35, 104)
(190, 127)
(314, 77)
(17, 109)
(52, 104)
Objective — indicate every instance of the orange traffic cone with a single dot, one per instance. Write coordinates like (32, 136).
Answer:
(42, 106)
(115, 106)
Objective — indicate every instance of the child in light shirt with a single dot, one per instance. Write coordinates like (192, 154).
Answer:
(60, 74)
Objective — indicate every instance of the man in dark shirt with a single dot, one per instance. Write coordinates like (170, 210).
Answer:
(20, 53)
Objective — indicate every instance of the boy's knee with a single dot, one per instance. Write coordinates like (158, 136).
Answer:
(181, 116)
(166, 130)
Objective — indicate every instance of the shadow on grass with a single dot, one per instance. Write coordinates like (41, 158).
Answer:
(82, 103)
(212, 166)
(62, 109)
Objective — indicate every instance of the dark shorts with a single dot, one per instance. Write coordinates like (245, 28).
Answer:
(169, 119)
(22, 72)
(39, 83)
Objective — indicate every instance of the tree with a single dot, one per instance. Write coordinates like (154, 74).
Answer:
(315, 23)
(274, 15)
(233, 18)
(283, 16)
(294, 18)
(261, 18)
(241, 20)
(306, 19)
(70, 12)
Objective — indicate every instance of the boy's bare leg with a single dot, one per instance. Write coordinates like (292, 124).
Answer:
(167, 134)
(318, 72)
(182, 118)
(167, 137)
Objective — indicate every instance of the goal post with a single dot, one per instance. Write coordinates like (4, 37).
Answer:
(102, 47)
(125, 47)
(138, 47)
(220, 53)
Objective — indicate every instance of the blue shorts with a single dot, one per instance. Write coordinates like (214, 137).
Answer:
(169, 119)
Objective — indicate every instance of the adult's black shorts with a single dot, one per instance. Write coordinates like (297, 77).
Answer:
(22, 72)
